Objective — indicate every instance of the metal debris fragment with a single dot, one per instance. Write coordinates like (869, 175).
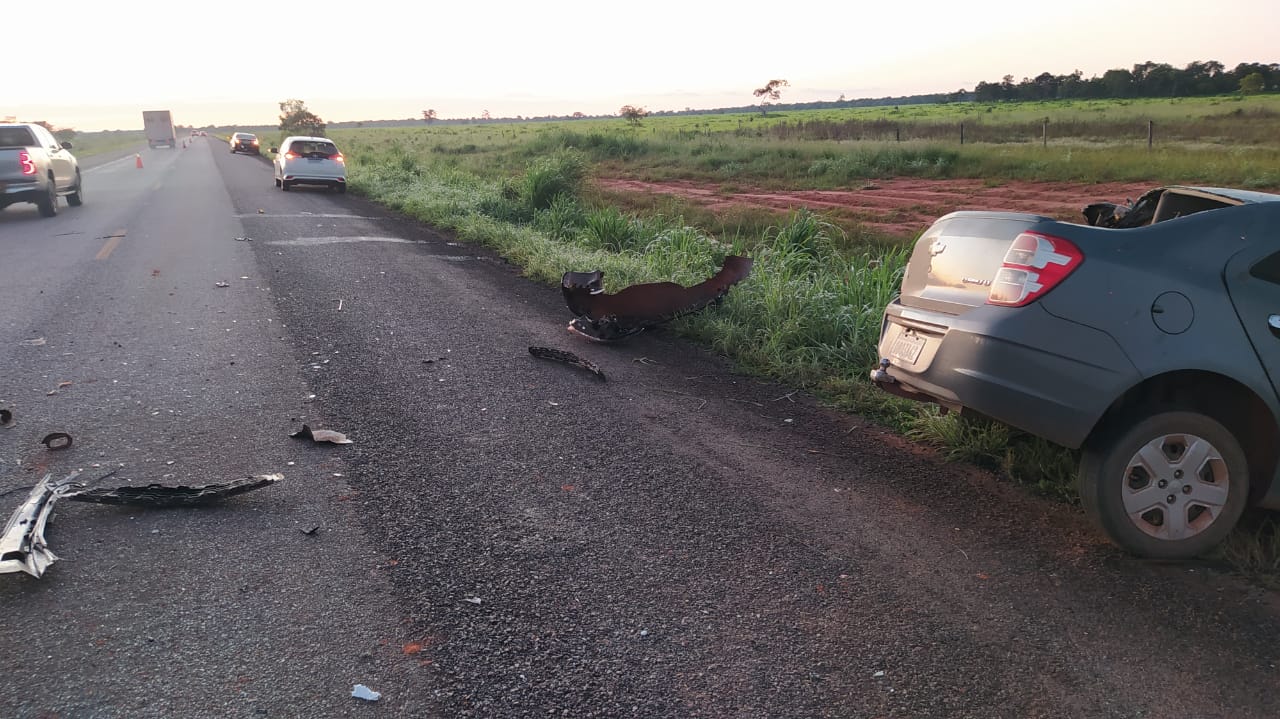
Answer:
(221, 284)
(361, 691)
(32, 343)
(310, 532)
(22, 545)
(56, 441)
(321, 435)
(605, 318)
(159, 495)
(567, 358)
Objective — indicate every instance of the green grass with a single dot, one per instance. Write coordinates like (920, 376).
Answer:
(811, 311)
(88, 144)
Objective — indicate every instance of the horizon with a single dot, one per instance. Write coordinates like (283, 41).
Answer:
(529, 67)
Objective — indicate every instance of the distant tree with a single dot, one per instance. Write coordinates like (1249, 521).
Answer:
(1252, 84)
(578, 116)
(296, 119)
(64, 134)
(485, 115)
(772, 90)
(45, 124)
(428, 116)
(632, 114)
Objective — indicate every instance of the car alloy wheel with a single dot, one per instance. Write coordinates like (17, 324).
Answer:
(1171, 485)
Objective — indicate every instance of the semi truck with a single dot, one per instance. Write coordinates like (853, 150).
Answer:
(159, 127)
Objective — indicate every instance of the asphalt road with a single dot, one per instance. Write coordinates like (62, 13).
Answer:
(509, 536)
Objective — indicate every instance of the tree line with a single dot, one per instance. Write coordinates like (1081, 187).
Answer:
(1148, 79)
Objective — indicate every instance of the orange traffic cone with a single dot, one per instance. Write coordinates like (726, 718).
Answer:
(138, 160)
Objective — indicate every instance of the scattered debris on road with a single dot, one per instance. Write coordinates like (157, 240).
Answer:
(605, 318)
(473, 600)
(221, 284)
(245, 239)
(6, 419)
(23, 547)
(321, 435)
(32, 343)
(310, 532)
(567, 358)
(56, 441)
(361, 691)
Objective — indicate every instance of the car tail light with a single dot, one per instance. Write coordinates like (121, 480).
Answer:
(290, 155)
(337, 157)
(28, 166)
(255, 142)
(1034, 265)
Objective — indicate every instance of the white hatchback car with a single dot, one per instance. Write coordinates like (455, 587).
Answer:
(309, 161)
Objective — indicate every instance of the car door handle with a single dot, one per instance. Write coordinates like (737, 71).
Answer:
(1273, 323)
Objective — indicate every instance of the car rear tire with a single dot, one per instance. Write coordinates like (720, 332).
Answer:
(48, 204)
(286, 185)
(277, 179)
(1169, 484)
(342, 188)
(76, 198)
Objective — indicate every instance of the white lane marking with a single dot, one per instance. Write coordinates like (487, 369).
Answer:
(105, 165)
(308, 214)
(306, 241)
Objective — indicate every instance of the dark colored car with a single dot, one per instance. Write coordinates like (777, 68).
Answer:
(244, 142)
(1149, 338)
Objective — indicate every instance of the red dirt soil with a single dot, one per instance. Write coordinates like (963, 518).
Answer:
(901, 207)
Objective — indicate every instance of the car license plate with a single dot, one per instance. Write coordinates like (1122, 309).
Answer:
(907, 348)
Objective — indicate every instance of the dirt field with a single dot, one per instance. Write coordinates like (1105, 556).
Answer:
(901, 207)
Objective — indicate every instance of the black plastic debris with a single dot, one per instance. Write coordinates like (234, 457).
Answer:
(159, 495)
(606, 318)
(321, 435)
(6, 419)
(56, 441)
(568, 358)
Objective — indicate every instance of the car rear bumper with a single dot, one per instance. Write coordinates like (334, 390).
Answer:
(20, 191)
(1024, 367)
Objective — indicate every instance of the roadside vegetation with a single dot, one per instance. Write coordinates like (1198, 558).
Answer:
(88, 144)
(811, 311)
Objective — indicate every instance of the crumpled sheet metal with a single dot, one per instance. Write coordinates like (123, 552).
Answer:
(605, 318)
(22, 545)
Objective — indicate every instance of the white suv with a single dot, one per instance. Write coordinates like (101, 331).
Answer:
(309, 161)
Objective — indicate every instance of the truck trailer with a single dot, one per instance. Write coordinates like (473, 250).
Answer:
(159, 127)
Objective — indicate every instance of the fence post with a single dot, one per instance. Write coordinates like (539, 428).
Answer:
(897, 134)
(962, 133)
(1151, 132)
(1045, 133)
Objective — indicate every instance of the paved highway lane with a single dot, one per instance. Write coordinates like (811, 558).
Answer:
(512, 537)
(225, 611)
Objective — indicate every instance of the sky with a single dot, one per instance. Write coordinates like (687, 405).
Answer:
(227, 64)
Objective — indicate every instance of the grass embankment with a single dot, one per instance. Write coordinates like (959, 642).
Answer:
(88, 144)
(811, 311)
